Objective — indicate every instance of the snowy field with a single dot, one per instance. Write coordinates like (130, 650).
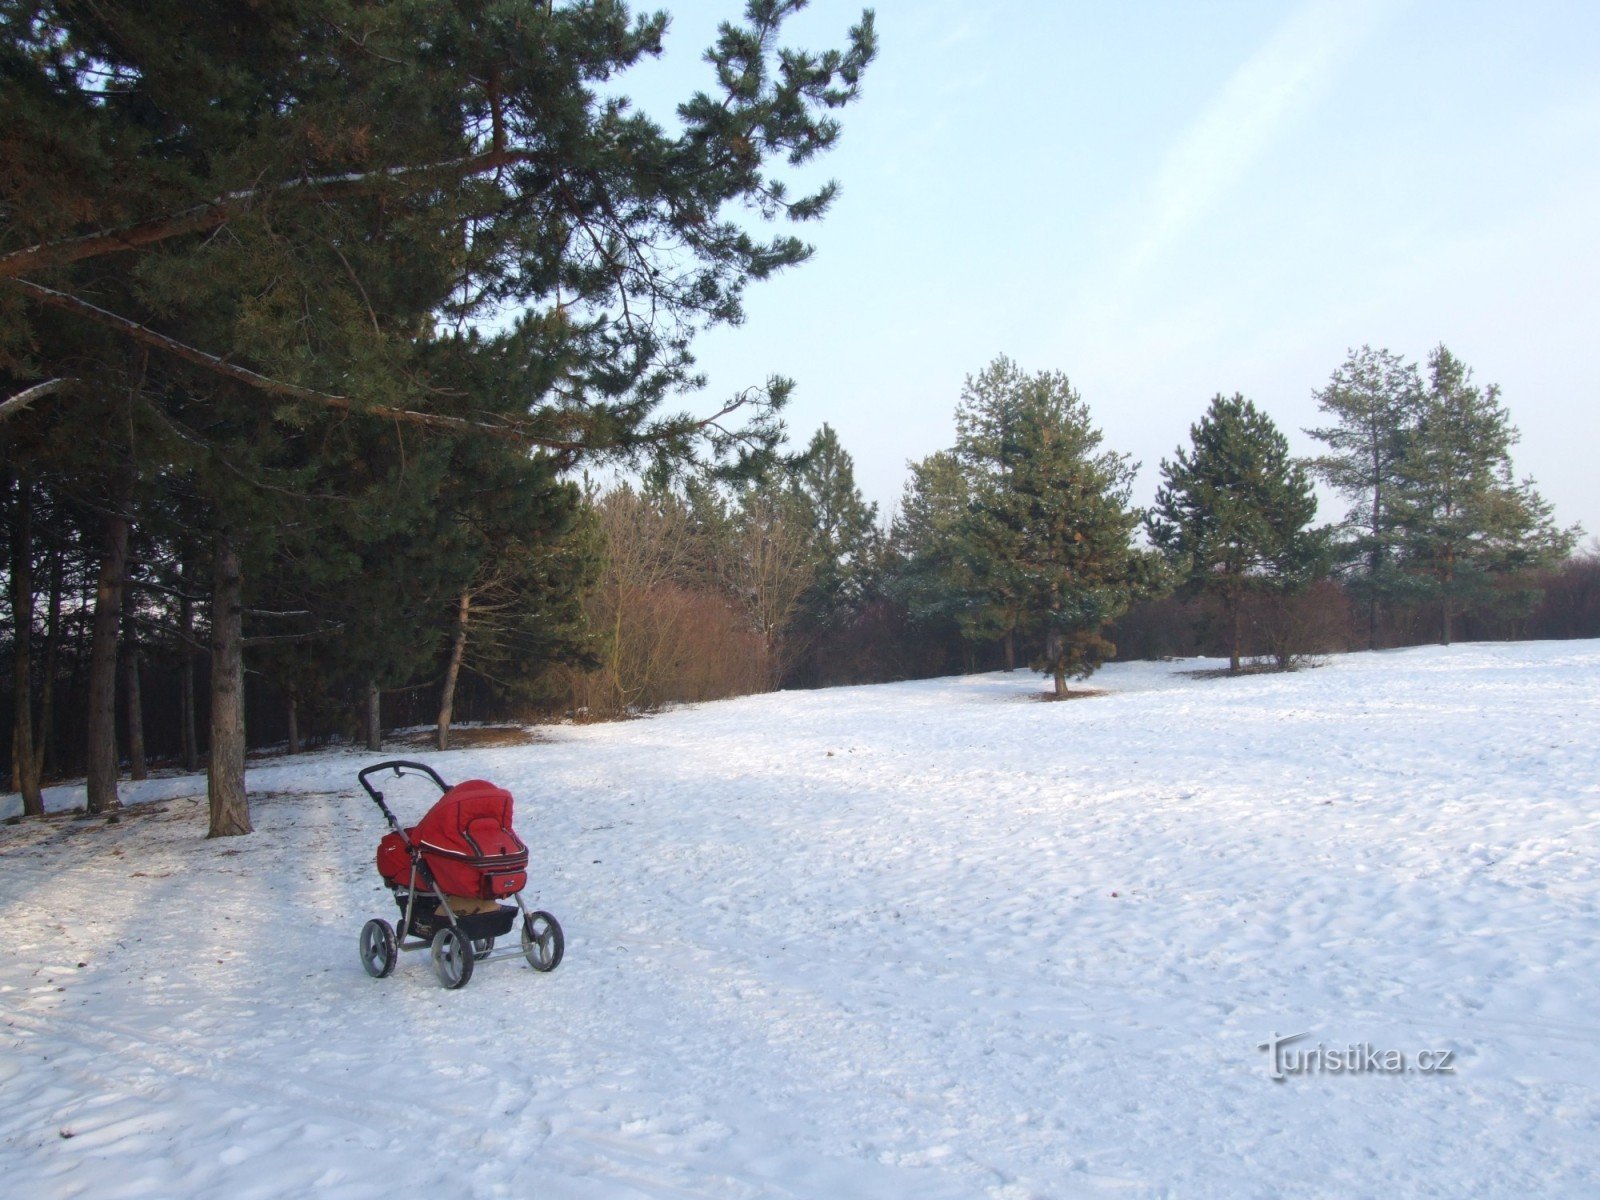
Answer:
(921, 940)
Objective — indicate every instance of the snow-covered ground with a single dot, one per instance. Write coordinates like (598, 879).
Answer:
(931, 939)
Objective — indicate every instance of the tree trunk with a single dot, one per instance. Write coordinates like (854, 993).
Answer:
(1236, 621)
(1446, 614)
(45, 743)
(1055, 655)
(294, 723)
(230, 806)
(102, 697)
(24, 758)
(1011, 650)
(186, 690)
(1374, 564)
(374, 717)
(458, 650)
(133, 696)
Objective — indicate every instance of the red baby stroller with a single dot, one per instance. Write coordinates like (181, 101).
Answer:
(447, 874)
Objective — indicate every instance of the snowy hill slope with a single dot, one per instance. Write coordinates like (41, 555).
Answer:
(931, 939)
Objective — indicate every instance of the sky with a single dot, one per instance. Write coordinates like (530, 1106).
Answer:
(1167, 200)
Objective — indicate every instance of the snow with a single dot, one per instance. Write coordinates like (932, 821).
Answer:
(932, 939)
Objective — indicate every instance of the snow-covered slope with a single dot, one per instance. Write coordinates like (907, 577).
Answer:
(932, 939)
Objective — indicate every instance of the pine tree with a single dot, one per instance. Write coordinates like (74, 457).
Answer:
(1067, 505)
(991, 443)
(930, 575)
(1232, 512)
(1374, 397)
(1023, 529)
(271, 183)
(1463, 517)
(843, 540)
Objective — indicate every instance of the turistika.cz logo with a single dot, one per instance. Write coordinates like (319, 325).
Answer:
(1361, 1058)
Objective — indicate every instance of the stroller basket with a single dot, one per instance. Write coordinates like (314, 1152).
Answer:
(427, 920)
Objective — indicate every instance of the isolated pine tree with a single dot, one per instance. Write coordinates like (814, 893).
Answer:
(1023, 529)
(991, 443)
(1233, 511)
(1066, 502)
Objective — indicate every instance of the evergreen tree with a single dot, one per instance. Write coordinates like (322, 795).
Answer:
(268, 181)
(1463, 517)
(929, 575)
(1066, 508)
(843, 540)
(1232, 512)
(1023, 529)
(1373, 397)
(992, 442)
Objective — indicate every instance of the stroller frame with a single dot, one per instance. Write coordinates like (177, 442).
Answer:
(462, 940)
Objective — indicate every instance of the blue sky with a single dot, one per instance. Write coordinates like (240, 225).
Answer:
(1168, 200)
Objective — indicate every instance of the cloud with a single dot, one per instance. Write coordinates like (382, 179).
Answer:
(1254, 110)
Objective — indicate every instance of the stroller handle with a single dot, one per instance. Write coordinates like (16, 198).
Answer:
(399, 766)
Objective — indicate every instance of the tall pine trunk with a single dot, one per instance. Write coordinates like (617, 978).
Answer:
(24, 758)
(1446, 601)
(45, 741)
(230, 807)
(186, 690)
(103, 654)
(1374, 564)
(374, 720)
(1236, 624)
(133, 694)
(292, 707)
(458, 650)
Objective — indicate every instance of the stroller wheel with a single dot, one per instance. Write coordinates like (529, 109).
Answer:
(452, 958)
(378, 949)
(542, 943)
(483, 947)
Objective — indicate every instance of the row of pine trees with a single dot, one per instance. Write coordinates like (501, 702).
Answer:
(1019, 545)
(1024, 530)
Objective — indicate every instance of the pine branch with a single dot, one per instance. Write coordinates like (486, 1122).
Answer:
(149, 337)
(281, 639)
(219, 210)
(28, 395)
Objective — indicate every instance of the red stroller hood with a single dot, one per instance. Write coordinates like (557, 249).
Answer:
(467, 841)
(471, 818)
